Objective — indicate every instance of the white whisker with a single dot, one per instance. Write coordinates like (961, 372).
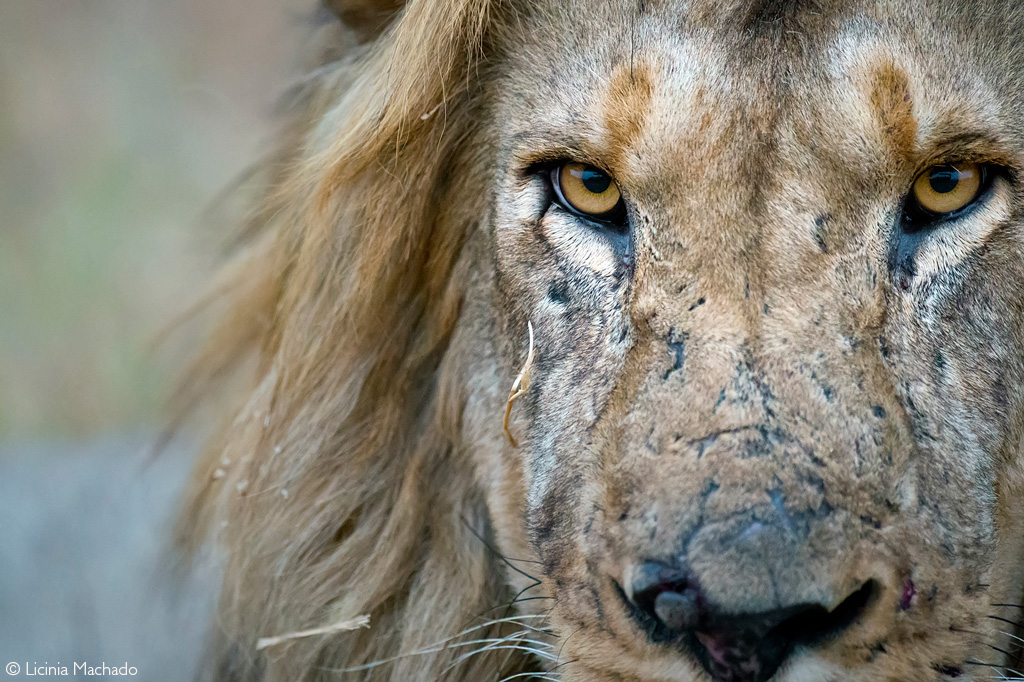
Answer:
(448, 643)
(536, 676)
(512, 642)
(1014, 637)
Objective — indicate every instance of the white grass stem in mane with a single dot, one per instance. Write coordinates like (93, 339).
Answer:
(520, 386)
(345, 625)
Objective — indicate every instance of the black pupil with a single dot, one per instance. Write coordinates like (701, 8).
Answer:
(595, 181)
(944, 181)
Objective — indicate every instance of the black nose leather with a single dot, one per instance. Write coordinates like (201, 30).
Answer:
(746, 647)
(664, 595)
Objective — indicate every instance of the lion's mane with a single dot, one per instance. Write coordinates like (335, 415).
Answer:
(338, 487)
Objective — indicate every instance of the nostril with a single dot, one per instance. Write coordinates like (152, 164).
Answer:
(663, 596)
(650, 578)
(678, 610)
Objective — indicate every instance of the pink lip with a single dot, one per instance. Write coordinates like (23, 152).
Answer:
(724, 652)
(714, 645)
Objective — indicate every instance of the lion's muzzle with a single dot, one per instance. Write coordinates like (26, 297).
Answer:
(750, 517)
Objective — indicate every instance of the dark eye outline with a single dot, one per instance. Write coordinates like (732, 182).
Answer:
(616, 220)
(917, 218)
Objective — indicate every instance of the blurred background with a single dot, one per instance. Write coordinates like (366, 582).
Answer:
(120, 122)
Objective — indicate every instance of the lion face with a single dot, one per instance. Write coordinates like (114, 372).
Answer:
(772, 256)
(763, 264)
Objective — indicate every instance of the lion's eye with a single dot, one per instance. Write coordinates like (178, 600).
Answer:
(588, 191)
(941, 190)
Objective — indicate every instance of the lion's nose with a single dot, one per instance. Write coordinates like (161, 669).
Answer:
(744, 647)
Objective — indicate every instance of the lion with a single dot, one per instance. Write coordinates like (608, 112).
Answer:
(755, 270)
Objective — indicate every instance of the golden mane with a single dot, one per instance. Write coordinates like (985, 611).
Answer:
(337, 489)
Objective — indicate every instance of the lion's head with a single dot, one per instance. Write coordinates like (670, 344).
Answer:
(770, 259)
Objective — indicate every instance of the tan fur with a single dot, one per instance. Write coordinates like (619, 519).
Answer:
(761, 355)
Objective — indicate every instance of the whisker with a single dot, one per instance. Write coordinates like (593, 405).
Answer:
(1005, 653)
(563, 664)
(498, 645)
(501, 644)
(998, 667)
(534, 675)
(517, 638)
(515, 600)
(1007, 620)
(566, 640)
(519, 594)
(437, 647)
(506, 560)
(1019, 639)
(988, 665)
(1003, 676)
(511, 652)
(515, 619)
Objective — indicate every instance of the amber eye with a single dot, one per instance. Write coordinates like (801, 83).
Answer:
(945, 189)
(588, 190)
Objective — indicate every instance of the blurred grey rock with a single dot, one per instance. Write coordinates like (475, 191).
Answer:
(86, 571)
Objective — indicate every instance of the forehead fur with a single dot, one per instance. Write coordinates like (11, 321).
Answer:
(580, 58)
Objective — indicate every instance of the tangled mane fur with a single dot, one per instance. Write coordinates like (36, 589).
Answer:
(336, 490)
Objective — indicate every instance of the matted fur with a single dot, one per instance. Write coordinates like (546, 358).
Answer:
(380, 300)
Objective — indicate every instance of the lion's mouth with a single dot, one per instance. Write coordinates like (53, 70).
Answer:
(751, 648)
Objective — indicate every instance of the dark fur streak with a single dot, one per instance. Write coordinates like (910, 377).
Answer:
(826, 390)
(869, 521)
(877, 649)
(948, 670)
(718, 403)
(677, 345)
(558, 292)
(819, 236)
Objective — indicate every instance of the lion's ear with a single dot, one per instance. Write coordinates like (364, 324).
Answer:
(368, 18)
